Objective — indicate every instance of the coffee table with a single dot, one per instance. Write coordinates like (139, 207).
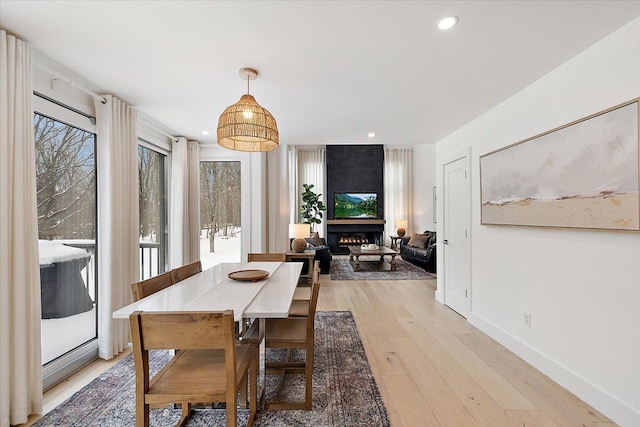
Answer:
(357, 251)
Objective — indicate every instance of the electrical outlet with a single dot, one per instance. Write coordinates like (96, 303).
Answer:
(527, 320)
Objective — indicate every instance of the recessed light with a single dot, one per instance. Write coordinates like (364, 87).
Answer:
(371, 135)
(205, 132)
(447, 22)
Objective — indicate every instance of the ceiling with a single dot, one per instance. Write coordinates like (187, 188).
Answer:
(330, 71)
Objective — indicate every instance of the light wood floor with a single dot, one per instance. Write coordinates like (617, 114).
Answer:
(432, 367)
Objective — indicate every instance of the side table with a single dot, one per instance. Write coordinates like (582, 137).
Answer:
(394, 242)
(308, 254)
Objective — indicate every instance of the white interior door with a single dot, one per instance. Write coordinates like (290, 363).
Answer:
(456, 239)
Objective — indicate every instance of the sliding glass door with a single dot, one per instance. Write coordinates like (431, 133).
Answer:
(66, 194)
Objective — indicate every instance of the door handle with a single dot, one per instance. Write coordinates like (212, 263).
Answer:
(445, 241)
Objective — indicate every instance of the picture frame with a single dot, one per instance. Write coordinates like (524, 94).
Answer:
(585, 174)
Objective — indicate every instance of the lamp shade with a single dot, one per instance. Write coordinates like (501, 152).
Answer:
(299, 231)
(247, 126)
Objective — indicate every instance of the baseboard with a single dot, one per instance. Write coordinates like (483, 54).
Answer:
(439, 295)
(609, 405)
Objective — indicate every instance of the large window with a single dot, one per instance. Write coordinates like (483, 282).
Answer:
(220, 215)
(153, 212)
(66, 194)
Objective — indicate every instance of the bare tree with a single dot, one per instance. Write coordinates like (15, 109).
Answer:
(66, 180)
(219, 198)
(150, 192)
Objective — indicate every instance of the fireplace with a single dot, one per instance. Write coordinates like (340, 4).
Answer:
(344, 233)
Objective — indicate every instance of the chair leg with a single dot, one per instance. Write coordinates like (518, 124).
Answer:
(243, 391)
(253, 389)
(142, 414)
(308, 374)
(231, 410)
(186, 411)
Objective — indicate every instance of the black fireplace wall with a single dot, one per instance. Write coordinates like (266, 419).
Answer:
(355, 169)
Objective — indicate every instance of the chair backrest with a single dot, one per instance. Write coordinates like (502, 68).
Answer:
(181, 273)
(186, 330)
(315, 290)
(151, 285)
(316, 271)
(266, 257)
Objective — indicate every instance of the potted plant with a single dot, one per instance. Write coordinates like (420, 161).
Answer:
(312, 206)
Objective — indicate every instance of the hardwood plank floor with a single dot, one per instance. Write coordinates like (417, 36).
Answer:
(432, 367)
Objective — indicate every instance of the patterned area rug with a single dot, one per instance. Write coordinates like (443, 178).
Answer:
(344, 390)
(342, 269)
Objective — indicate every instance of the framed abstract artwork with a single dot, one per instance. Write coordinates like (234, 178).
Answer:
(581, 175)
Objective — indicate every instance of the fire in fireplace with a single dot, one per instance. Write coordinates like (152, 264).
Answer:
(352, 240)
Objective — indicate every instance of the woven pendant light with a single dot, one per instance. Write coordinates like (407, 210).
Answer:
(245, 125)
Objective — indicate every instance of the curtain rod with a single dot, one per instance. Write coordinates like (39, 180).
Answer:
(175, 138)
(69, 81)
(101, 98)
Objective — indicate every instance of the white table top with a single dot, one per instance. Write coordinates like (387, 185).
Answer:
(212, 290)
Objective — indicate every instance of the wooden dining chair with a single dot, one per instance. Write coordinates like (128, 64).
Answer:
(185, 271)
(209, 367)
(293, 333)
(302, 295)
(151, 285)
(266, 257)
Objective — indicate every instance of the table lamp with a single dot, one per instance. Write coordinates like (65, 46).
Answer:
(401, 225)
(298, 232)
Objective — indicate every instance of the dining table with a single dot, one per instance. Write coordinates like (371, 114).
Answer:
(213, 290)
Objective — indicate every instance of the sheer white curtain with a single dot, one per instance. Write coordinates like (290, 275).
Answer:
(20, 360)
(311, 169)
(118, 219)
(278, 181)
(295, 187)
(398, 188)
(192, 214)
(185, 202)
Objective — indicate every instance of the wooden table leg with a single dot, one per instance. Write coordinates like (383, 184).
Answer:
(357, 262)
(394, 267)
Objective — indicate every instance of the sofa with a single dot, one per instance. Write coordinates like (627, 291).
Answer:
(420, 250)
(323, 254)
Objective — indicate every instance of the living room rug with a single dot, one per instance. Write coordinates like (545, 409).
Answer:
(344, 390)
(342, 269)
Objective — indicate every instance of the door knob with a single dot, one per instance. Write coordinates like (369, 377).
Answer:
(445, 241)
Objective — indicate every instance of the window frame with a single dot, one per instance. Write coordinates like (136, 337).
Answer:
(164, 258)
(64, 365)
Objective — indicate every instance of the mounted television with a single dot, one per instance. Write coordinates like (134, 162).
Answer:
(355, 205)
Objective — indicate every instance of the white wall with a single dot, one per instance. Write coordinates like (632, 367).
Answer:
(424, 179)
(581, 287)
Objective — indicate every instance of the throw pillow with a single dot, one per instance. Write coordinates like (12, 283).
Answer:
(417, 241)
(412, 240)
(422, 241)
(315, 239)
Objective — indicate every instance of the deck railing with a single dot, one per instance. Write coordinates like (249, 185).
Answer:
(150, 261)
